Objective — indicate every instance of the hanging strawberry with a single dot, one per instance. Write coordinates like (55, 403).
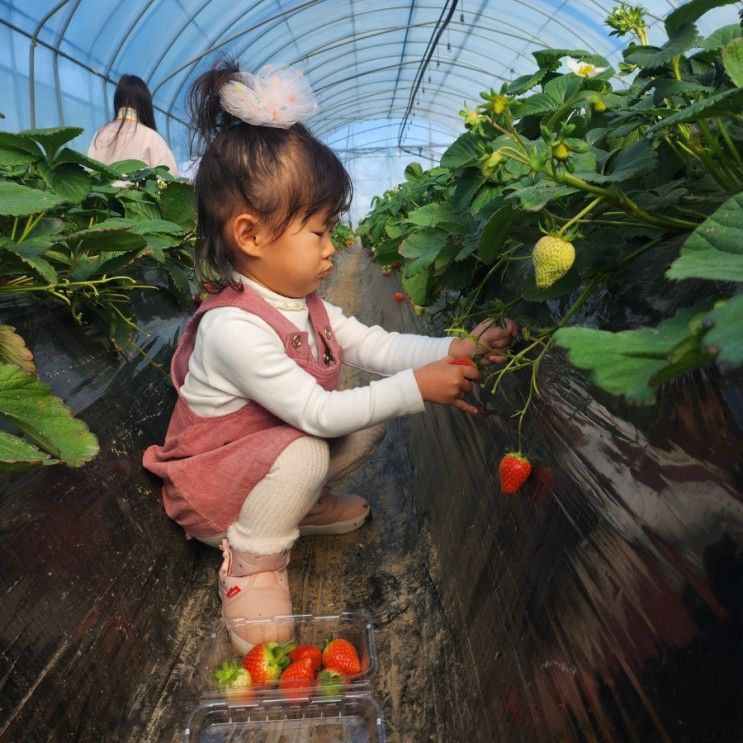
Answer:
(514, 470)
(552, 258)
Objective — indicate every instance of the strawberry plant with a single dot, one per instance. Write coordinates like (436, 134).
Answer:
(566, 178)
(342, 236)
(87, 236)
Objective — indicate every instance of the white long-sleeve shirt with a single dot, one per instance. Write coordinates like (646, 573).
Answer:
(239, 358)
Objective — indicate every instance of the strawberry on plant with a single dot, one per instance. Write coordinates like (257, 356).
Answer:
(330, 682)
(297, 675)
(465, 361)
(267, 660)
(341, 655)
(399, 297)
(552, 258)
(514, 470)
(307, 651)
(233, 679)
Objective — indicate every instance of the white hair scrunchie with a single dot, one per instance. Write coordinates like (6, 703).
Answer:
(276, 95)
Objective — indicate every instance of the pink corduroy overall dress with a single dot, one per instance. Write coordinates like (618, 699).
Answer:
(209, 465)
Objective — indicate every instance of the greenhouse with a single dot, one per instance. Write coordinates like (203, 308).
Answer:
(371, 371)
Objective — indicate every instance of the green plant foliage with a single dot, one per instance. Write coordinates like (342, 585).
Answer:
(618, 172)
(77, 232)
(30, 406)
(342, 236)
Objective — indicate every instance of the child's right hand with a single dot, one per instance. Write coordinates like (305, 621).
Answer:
(447, 383)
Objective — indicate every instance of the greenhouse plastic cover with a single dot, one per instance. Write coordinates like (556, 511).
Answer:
(390, 76)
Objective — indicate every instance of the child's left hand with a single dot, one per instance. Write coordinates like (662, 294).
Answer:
(492, 342)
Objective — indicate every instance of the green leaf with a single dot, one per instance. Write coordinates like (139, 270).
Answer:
(21, 201)
(715, 249)
(418, 287)
(17, 454)
(637, 159)
(527, 82)
(70, 182)
(421, 248)
(466, 188)
(113, 224)
(732, 58)
(179, 283)
(555, 94)
(429, 215)
(141, 211)
(721, 37)
(727, 103)
(112, 242)
(535, 198)
(413, 171)
(495, 233)
(21, 142)
(644, 57)
(16, 150)
(725, 339)
(462, 152)
(52, 139)
(13, 349)
(177, 204)
(30, 406)
(66, 155)
(148, 226)
(689, 12)
(126, 167)
(624, 363)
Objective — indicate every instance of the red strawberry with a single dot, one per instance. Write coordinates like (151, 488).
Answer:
(399, 297)
(307, 651)
(466, 361)
(341, 655)
(330, 682)
(514, 471)
(298, 675)
(266, 661)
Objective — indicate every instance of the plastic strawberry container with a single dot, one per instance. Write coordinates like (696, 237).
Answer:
(266, 714)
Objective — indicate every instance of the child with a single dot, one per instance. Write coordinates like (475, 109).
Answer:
(133, 134)
(260, 436)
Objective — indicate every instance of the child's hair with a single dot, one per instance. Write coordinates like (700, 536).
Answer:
(280, 175)
(132, 92)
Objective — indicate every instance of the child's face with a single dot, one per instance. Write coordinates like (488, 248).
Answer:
(295, 264)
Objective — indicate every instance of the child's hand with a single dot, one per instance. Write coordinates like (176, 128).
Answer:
(493, 342)
(447, 383)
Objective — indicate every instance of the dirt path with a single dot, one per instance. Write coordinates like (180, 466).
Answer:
(382, 567)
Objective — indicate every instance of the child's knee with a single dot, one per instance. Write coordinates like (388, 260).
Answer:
(311, 455)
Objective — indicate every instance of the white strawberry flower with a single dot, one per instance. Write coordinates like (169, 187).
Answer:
(582, 68)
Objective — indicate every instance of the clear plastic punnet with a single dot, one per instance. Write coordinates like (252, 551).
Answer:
(342, 713)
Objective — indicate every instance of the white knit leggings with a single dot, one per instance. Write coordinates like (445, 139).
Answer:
(270, 516)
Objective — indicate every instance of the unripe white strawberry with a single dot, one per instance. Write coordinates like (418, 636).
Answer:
(552, 258)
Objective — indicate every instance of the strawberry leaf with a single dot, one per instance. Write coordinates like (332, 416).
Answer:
(30, 406)
(13, 349)
(715, 249)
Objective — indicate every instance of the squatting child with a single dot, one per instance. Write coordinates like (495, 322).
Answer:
(260, 437)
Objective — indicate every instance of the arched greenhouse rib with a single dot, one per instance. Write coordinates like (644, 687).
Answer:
(421, 421)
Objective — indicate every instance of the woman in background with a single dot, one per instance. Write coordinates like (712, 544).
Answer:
(132, 135)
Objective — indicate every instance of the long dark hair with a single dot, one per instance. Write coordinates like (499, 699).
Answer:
(278, 174)
(132, 92)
